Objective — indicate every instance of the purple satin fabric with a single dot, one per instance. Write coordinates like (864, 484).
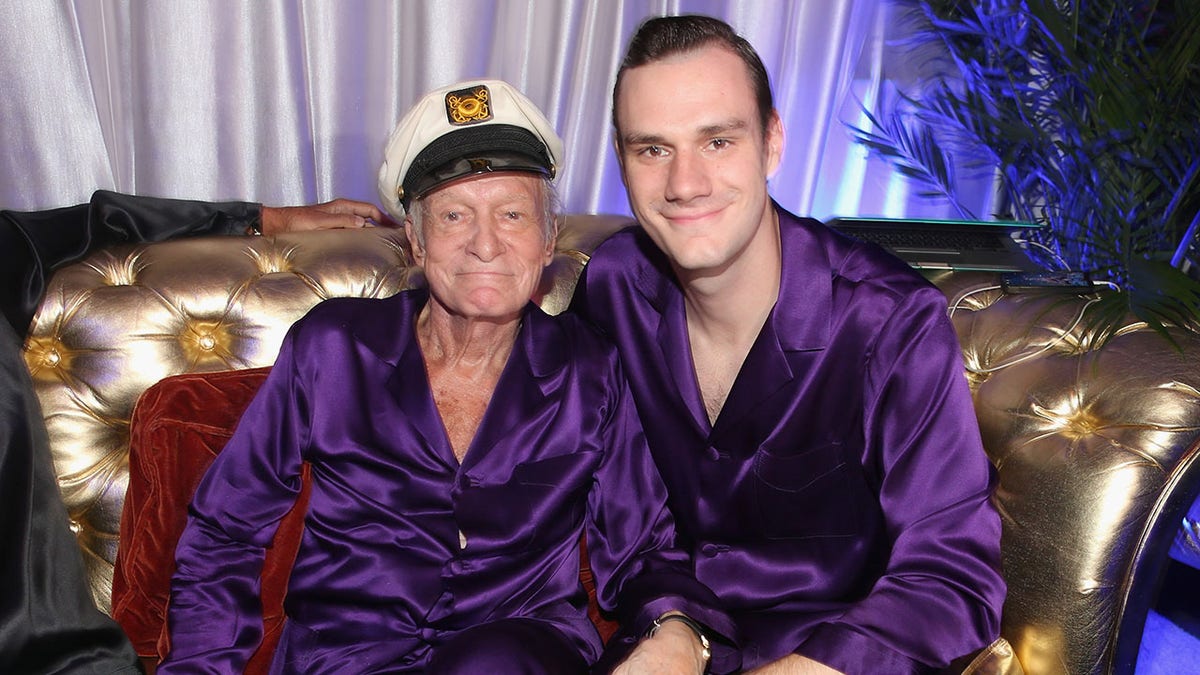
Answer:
(839, 506)
(380, 580)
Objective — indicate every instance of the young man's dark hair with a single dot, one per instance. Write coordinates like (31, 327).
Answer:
(666, 36)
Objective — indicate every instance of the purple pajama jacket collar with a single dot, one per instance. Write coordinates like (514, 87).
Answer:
(806, 278)
(537, 340)
(539, 353)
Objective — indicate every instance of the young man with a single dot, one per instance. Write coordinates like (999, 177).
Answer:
(803, 392)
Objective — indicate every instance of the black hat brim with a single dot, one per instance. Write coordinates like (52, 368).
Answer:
(475, 150)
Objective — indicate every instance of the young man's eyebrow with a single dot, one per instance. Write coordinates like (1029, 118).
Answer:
(723, 127)
(707, 130)
(642, 139)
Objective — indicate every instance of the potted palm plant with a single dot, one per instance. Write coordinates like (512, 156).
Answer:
(1086, 113)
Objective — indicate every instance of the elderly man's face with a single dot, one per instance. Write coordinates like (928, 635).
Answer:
(484, 245)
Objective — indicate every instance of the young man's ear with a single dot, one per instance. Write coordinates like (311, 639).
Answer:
(773, 143)
(617, 151)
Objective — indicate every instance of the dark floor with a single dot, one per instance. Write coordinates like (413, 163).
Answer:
(1179, 600)
(1171, 641)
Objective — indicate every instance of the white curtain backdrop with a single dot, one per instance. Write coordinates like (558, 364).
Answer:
(290, 101)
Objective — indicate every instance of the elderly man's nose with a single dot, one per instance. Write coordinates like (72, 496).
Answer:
(485, 240)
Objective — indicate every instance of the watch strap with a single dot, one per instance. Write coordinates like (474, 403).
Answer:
(705, 645)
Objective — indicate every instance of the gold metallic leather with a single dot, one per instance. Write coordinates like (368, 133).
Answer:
(1096, 455)
(997, 659)
(1092, 448)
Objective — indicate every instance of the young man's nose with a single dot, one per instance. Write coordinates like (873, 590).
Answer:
(687, 177)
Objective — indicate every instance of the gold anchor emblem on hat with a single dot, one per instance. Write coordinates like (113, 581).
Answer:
(468, 106)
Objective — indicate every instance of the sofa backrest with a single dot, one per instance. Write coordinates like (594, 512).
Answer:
(1095, 449)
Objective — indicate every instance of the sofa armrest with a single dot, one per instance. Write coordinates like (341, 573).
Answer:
(1096, 452)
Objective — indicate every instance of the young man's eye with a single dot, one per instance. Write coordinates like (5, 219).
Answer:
(720, 143)
(652, 151)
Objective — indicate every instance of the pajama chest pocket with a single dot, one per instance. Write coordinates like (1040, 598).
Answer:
(546, 499)
(806, 495)
(563, 472)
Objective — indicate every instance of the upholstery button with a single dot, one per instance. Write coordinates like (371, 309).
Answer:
(272, 259)
(122, 271)
(206, 341)
(47, 354)
(710, 550)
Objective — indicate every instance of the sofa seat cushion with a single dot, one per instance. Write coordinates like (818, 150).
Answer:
(176, 430)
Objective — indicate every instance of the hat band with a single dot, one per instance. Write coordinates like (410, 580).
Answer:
(470, 166)
(475, 150)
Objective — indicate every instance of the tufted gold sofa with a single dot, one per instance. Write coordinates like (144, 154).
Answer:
(1095, 450)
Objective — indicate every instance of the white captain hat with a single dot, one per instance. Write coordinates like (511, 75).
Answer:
(469, 128)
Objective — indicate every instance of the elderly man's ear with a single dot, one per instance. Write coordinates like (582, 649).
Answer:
(418, 251)
(336, 214)
(558, 221)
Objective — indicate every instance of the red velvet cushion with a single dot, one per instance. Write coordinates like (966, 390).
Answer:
(177, 428)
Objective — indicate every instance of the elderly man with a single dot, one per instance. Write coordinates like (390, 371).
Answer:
(811, 418)
(460, 441)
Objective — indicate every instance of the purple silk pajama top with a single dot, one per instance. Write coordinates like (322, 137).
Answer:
(380, 576)
(839, 506)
